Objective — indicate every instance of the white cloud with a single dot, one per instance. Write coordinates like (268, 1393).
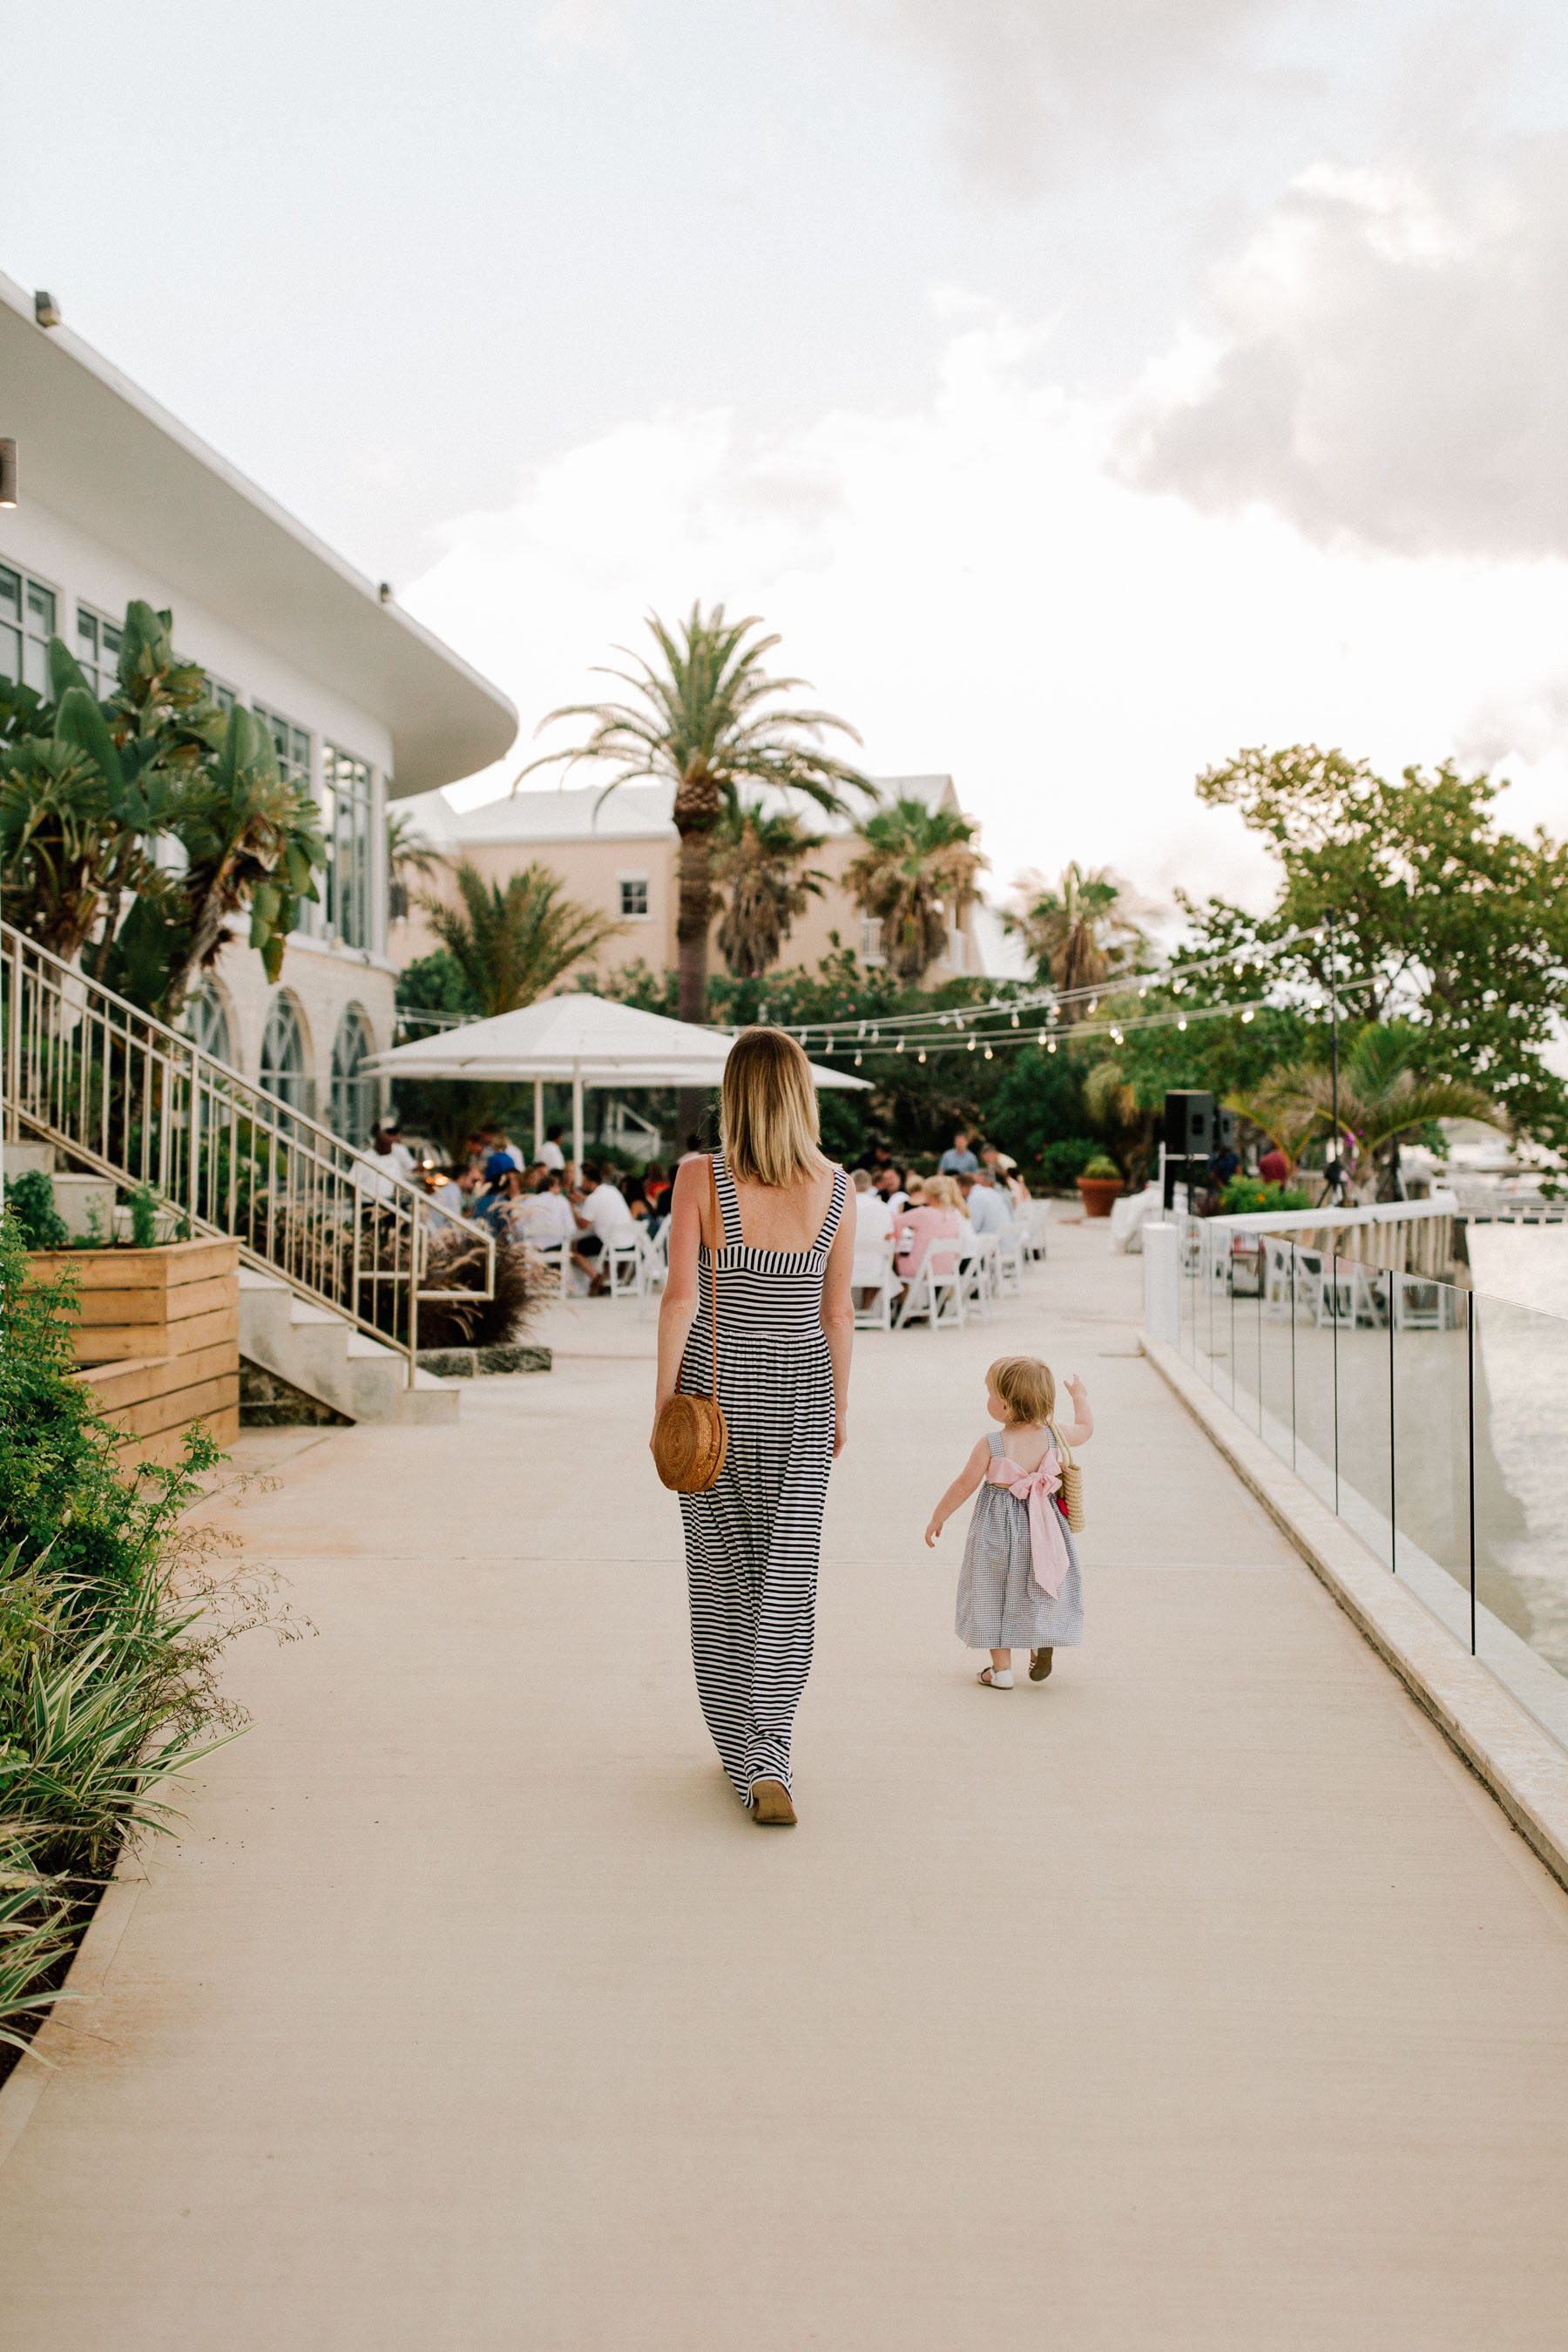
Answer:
(1031, 82)
(972, 585)
(1386, 361)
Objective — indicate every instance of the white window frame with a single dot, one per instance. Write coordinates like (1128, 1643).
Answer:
(635, 881)
(26, 580)
(871, 949)
(107, 681)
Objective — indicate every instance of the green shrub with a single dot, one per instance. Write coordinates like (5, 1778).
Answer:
(1248, 1196)
(145, 1205)
(112, 1620)
(1103, 1169)
(31, 1200)
(1064, 1161)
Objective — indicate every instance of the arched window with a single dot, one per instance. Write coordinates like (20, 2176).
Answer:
(353, 1091)
(283, 1053)
(208, 1020)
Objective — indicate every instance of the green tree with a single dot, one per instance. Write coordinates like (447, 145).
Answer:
(1440, 916)
(918, 872)
(1080, 933)
(705, 717)
(510, 942)
(763, 884)
(407, 853)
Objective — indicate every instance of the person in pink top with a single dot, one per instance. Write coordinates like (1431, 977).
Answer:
(935, 1218)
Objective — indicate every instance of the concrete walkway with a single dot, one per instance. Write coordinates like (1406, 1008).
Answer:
(1198, 1998)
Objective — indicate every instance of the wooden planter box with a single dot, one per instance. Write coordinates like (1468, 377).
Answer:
(158, 1338)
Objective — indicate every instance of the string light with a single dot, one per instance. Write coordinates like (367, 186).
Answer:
(923, 1052)
(876, 1036)
(901, 1048)
(1247, 1015)
(1094, 1004)
(1044, 1033)
(856, 1061)
(1051, 1045)
(988, 1053)
(1015, 1020)
(1182, 1023)
(972, 1046)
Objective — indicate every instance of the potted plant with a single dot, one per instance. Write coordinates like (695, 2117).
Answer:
(1098, 1186)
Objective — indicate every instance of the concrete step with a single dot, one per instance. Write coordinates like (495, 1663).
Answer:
(328, 1358)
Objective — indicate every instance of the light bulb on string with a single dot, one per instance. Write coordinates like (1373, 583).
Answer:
(1248, 1015)
(1015, 1020)
(1044, 1035)
(856, 1061)
(1182, 1021)
(1050, 1046)
(921, 1057)
(876, 1036)
(1094, 1004)
(971, 1044)
(901, 1048)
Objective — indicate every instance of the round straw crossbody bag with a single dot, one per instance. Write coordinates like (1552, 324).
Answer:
(690, 1437)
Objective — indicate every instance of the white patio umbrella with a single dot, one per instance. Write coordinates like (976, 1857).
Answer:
(586, 1041)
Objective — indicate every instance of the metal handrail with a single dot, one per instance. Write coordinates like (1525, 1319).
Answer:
(139, 1103)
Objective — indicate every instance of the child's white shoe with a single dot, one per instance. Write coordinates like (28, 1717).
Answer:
(995, 1677)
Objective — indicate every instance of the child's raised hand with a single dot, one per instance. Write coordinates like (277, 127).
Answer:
(932, 1532)
(1074, 1389)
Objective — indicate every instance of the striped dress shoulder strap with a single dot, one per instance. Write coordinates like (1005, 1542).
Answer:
(834, 1210)
(729, 1203)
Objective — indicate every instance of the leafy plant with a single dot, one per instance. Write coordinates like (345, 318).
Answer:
(510, 942)
(456, 1264)
(1065, 1161)
(111, 1621)
(705, 718)
(143, 1204)
(1102, 1170)
(31, 1200)
(89, 790)
(916, 873)
(1248, 1196)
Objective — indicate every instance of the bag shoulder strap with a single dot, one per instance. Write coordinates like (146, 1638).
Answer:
(713, 1262)
(1064, 1451)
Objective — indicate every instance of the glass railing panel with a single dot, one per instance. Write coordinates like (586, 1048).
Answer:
(1520, 1452)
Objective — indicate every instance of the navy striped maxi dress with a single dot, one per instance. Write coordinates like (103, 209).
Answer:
(753, 1539)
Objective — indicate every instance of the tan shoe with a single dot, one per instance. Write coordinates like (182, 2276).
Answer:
(771, 1806)
(1039, 1665)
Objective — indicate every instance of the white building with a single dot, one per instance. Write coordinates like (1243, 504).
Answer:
(118, 501)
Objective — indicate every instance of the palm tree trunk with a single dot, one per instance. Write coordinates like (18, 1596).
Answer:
(694, 919)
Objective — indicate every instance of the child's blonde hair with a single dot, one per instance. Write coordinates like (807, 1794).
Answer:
(1026, 1387)
(944, 1191)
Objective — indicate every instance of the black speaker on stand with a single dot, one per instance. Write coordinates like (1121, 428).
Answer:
(1191, 1134)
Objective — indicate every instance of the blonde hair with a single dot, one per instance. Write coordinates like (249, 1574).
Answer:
(944, 1191)
(1026, 1387)
(768, 1117)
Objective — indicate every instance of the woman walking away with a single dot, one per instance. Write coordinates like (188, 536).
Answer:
(1019, 1581)
(781, 1253)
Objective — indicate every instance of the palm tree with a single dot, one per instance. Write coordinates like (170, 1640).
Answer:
(407, 852)
(916, 875)
(761, 870)
(702, 718)
(1385, 1098)
(1080, 933)
(510, 944)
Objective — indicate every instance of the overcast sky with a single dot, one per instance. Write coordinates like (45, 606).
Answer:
(1085, 387)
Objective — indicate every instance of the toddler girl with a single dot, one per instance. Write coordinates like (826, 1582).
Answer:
(1019, 1580)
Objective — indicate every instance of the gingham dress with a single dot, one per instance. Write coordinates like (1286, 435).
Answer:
(753, 1540)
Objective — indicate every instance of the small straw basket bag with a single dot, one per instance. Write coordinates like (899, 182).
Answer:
(691, 1437)
(1072, 1483)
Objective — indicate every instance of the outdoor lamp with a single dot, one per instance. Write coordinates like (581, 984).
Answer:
(7, 473)
(46, 309)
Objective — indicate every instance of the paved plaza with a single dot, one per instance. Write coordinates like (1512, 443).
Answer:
(1198, 1998)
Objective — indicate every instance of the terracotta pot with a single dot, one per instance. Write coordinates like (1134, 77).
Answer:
(1097, 1193)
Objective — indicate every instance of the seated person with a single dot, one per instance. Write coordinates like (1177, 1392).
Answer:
(603, 1218)
(932, 1218)
(453, 1199)
(889, 1183)
(547, 1217)
(873, 1214)
(636, 1198)
(989, 1212)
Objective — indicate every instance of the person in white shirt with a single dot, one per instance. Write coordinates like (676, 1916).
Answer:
(550, 1151)
(988, 1211)
(392, 1141)
(603, 1218)
(873, 1214)
(548, 1215)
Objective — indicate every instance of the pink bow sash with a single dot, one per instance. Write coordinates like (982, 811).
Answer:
(1049, 1554)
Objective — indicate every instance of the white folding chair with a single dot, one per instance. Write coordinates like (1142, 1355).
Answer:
(872, 1284)
(1007, 1265)
(624, 1259)
(935, 1290)
(1033, 1223)
(975, 1264)
(550, 1261)
(653, 1261)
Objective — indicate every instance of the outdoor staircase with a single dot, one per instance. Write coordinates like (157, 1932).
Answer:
(334, 1255)
(317, 1351)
